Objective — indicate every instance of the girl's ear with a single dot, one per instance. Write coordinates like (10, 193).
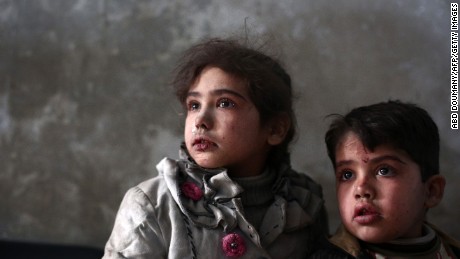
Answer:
(434, 190)
(278, 128)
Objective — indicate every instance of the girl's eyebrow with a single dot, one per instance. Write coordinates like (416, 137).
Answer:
(218, 92)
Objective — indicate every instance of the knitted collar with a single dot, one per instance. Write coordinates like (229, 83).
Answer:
(257, 189)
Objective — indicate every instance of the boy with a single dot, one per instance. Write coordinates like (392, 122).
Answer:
(386, 161)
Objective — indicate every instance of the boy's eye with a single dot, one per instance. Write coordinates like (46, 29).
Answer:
(345, 175)
(225, 103)
(385, 171)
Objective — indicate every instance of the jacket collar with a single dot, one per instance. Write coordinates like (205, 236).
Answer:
(294, 207)
(350, 244)
(346, 241)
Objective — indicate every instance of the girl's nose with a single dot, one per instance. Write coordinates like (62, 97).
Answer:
(204, 119)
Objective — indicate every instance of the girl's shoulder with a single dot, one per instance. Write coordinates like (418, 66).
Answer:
(158, 189)
(154, 192)
(147, 194)
(303, 180)
(154, 186)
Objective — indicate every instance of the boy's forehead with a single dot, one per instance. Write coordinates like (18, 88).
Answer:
(350, 142)
(352, 147)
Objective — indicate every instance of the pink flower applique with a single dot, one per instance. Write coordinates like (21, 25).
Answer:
(233, 245)
(191, 191)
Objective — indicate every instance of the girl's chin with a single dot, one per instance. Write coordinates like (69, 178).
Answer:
(207, 164)
(208, 160)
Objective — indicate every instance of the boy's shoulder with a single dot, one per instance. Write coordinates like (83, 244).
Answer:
(328, 250)
(452, 244)
(342, 245)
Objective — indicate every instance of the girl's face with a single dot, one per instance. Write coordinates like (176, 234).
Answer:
(381, 195)
(223, 127)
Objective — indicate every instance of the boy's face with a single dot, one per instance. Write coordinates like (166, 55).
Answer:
(223, 128)
(381, 195)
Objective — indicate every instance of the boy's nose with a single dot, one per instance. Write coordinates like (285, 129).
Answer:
(363, 189)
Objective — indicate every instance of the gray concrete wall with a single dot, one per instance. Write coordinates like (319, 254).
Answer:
(86, 112)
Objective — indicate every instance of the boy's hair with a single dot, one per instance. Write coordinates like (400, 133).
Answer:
(268, 83)
(401, 125)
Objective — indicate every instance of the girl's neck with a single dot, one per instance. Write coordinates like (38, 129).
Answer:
(256, 188)
(252, 169)
(257, 195)
(250, 166)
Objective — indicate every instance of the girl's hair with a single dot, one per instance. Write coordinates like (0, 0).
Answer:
(401, 125)
(268, 83)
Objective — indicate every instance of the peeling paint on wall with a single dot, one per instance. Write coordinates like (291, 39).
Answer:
(86, 111)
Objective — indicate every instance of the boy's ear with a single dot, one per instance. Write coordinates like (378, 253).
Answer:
(434, 190)
(278, 128)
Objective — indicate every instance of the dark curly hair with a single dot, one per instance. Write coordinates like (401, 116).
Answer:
(402, 125)
(268, 82)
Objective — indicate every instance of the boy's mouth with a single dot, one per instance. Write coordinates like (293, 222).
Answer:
(365, 214)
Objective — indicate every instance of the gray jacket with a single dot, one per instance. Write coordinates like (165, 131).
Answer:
(156, 219)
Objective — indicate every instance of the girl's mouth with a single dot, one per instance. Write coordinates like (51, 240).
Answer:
(202, 144)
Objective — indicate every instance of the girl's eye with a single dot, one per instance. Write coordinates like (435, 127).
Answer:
(225, 103)
(192, 106)
(385, 171)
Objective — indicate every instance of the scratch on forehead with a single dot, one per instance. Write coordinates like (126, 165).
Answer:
(366, 154)
(354, 144)
(365, 157)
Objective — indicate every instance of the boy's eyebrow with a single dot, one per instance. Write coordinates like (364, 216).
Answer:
(373, 160)
(218, 92)
(387, 157)
(343, 162)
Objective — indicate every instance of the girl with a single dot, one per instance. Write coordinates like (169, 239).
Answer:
(232, 193)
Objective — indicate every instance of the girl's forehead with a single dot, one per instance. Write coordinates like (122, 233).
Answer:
(212, 79)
